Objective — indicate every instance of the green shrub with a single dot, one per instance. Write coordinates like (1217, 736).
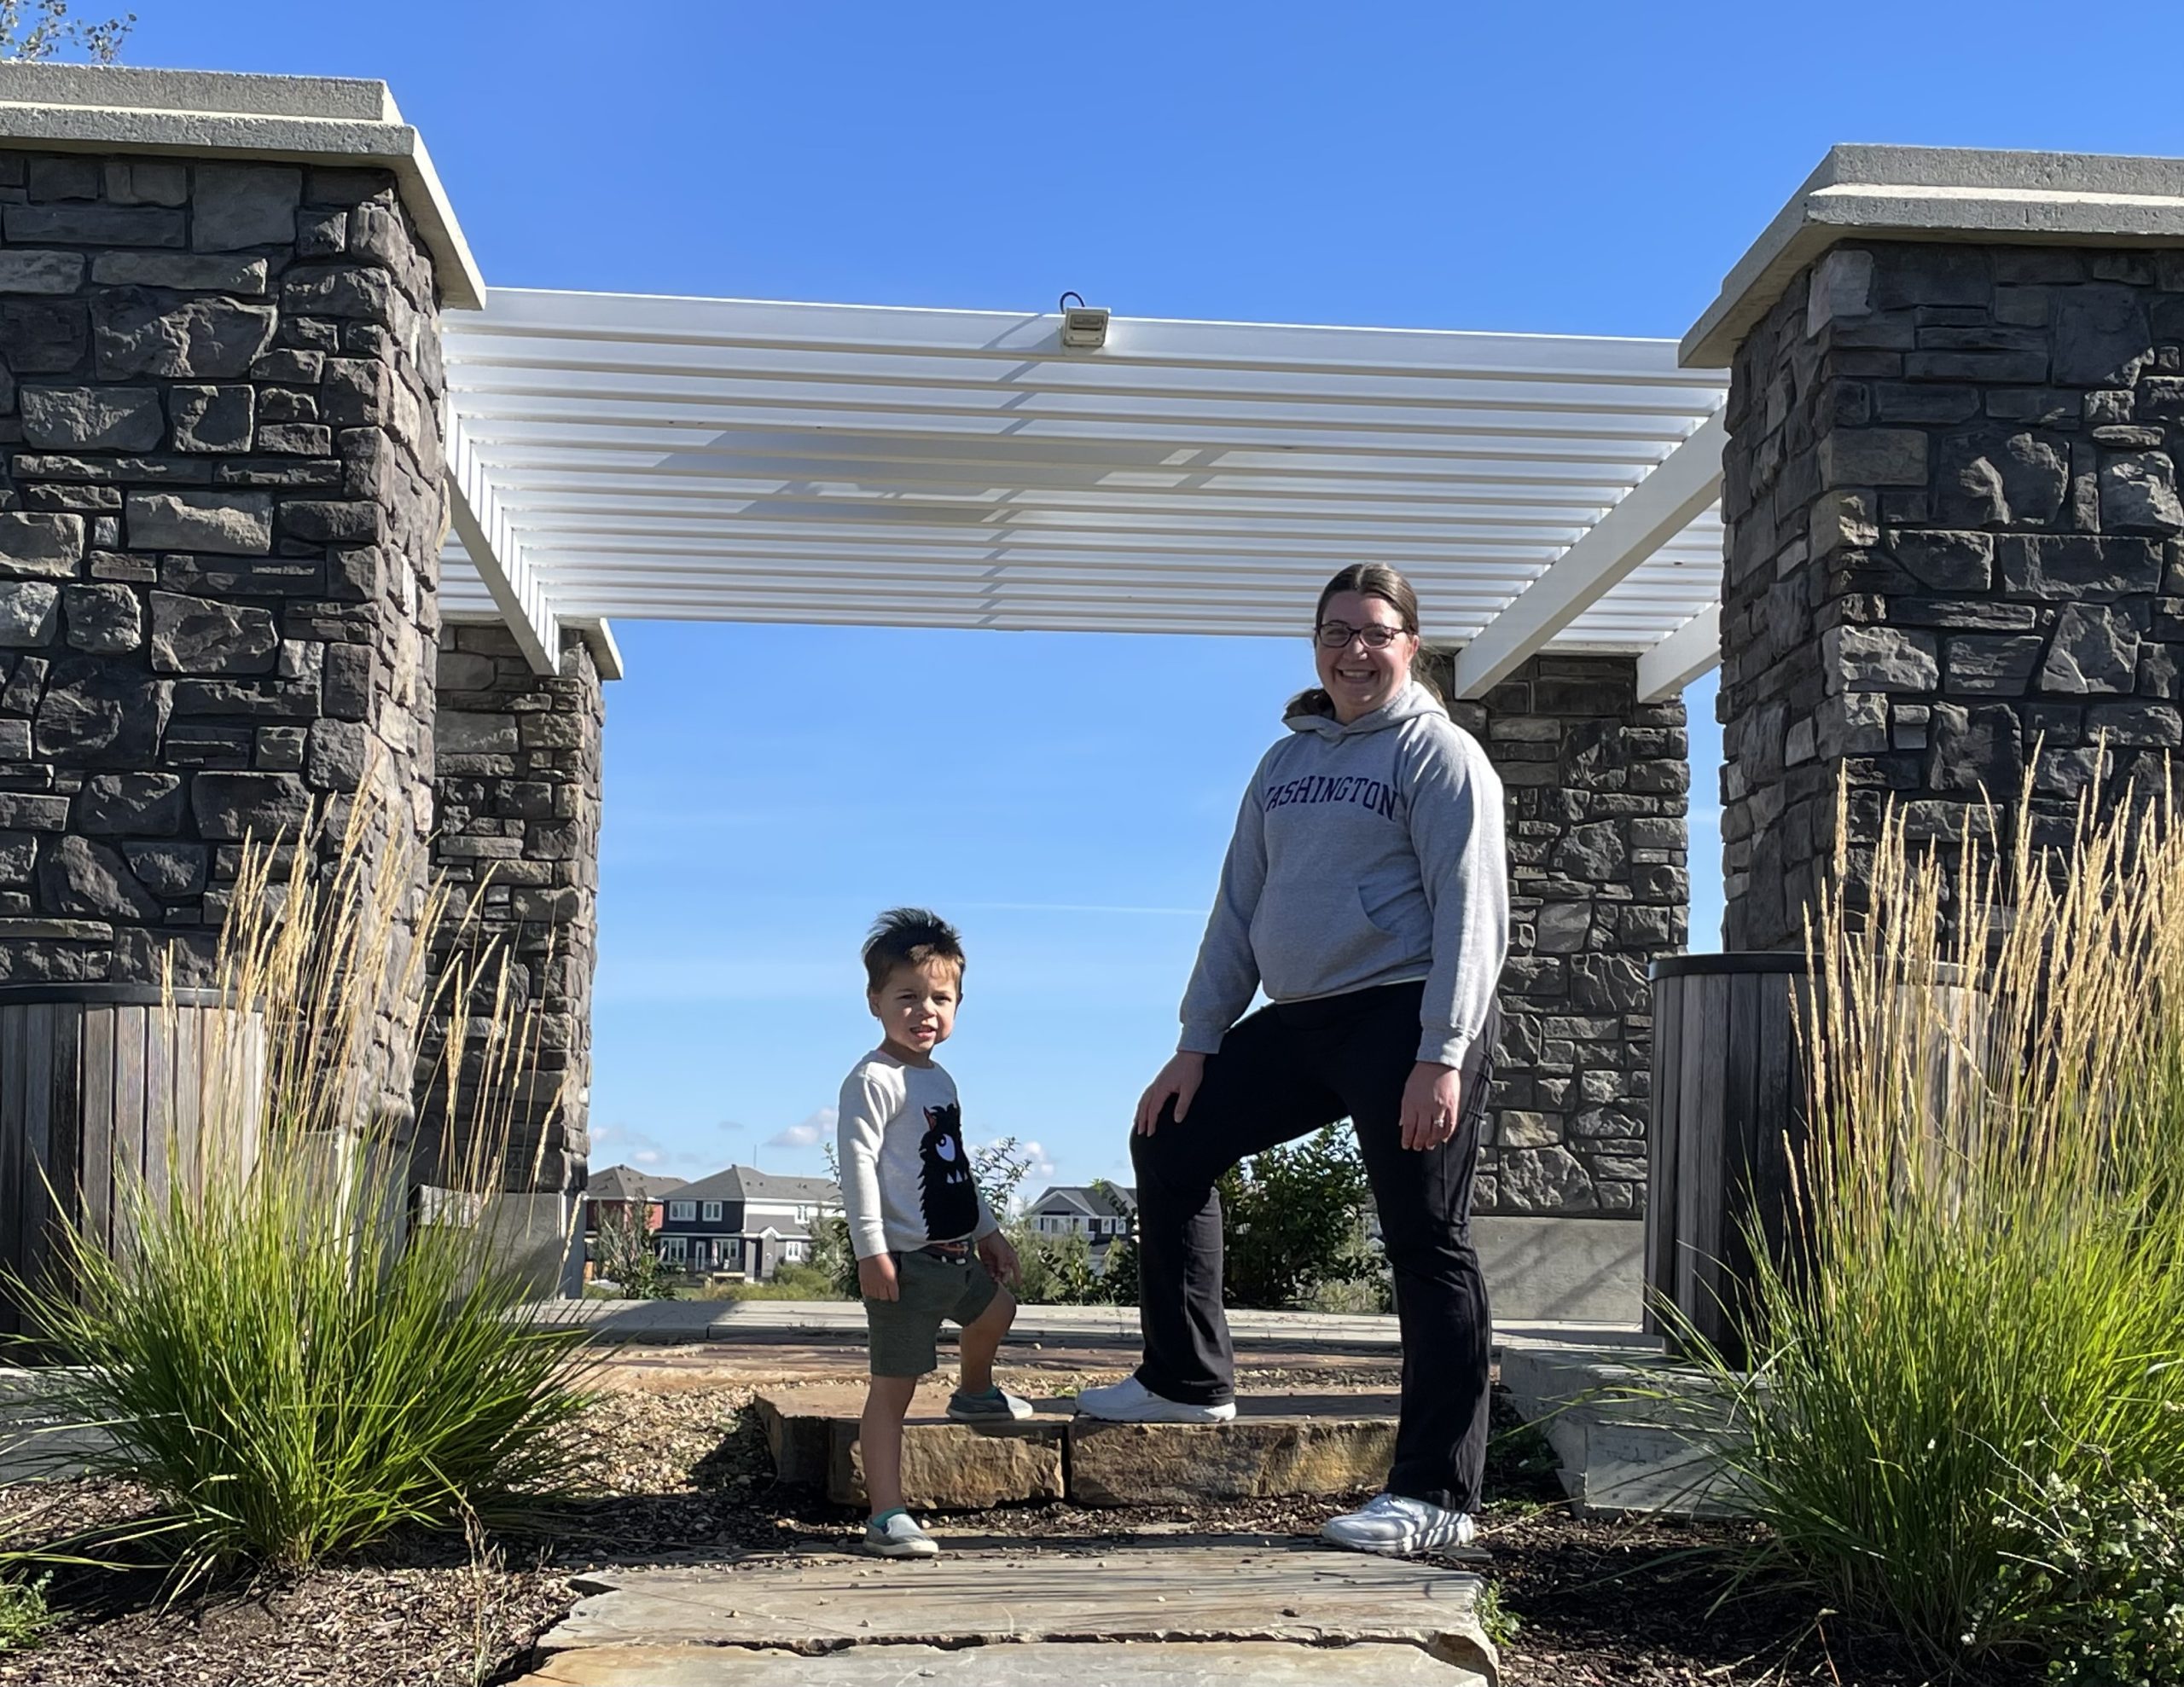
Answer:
(283, 1357)
(2108, 1566)
(1984, 1279)
(24, 1617)
(1352, 1295)
(805, 1282)
(1291, 1219)
(627, 1253)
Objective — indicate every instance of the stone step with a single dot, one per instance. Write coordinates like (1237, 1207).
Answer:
(1633, 1430)
(1326, 1441)
(37, 1441)
(1041, 1663)
(1320, 1602)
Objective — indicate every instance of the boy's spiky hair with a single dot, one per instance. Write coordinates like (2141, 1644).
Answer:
(909, 938)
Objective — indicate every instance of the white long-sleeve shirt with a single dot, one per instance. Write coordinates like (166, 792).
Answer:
(906, 1174)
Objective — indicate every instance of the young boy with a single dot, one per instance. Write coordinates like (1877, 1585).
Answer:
(927, 1246)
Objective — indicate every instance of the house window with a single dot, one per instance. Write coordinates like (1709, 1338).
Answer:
(681, 1212)
(677, 1248)
(713, 1212)
(804, 1214)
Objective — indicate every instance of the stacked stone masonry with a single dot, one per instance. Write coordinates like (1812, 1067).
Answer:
(1954, 560)
(518, 795)
(1597, 787)
(219, 531)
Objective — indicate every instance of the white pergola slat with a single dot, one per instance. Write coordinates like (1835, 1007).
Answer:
(619, 456)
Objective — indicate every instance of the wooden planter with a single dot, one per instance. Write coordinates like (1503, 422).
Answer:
(1729, 1100)
(104, 1088)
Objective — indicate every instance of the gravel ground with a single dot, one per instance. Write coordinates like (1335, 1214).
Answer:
(683, 1473)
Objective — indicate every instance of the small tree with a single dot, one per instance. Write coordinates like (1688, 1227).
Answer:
(627, 1253)
(32, 33)
(831, 1256)
(1290, 1220)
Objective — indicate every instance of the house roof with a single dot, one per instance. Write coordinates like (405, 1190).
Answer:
(1093, 1200)
(747, 1183)
(626, 1183)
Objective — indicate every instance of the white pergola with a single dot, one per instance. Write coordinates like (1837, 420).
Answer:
(631, 456)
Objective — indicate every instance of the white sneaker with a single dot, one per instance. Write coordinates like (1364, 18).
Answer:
(1129, 1401)
(899, 1537)
(1400, 1528)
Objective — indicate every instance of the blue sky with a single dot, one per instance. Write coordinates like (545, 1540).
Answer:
(1579, 168)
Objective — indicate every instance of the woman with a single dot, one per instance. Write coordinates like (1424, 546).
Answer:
(1367, 889)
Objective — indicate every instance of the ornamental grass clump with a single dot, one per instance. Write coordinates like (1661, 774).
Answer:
(1983, 1294)
(294, 1356)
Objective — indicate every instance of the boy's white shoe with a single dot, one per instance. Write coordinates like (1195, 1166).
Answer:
(899, 1537)
(1398, 1528)
(1129, 1401)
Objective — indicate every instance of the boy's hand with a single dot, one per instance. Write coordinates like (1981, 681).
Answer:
(875, 1278)
(999, 1258)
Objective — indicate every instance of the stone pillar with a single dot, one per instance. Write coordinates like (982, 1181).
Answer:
(1596, 784)
(517, 790)
(221, 512)
(1953, 559)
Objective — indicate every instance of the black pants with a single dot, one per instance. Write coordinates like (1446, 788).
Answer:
(1283, 1073)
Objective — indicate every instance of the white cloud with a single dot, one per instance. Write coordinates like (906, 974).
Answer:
(807, 1132)
(1038, 1164)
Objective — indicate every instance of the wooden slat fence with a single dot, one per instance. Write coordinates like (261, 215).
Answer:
(108, 1095)
(1729, 1097)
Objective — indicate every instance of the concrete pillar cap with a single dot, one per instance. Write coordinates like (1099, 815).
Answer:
(1942, 193)
(333, 121)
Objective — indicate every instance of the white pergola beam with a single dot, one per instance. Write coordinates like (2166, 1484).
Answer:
(1652, 512)
(748, 460)
(1692, 649)
(497, 554)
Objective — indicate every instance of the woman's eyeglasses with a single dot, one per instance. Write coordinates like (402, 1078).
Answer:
(1334, 635)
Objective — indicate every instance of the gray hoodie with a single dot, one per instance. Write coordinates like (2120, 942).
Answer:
(1364, 854)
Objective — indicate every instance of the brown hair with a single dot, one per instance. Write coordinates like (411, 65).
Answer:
(1372, 580)
(910, 937)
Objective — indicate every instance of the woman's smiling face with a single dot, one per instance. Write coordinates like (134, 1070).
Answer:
(1357, 677)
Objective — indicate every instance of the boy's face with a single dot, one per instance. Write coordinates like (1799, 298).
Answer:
(916, 1006)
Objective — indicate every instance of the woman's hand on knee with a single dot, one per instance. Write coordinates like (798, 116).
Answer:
(1430, 1101)
(1179, 1078)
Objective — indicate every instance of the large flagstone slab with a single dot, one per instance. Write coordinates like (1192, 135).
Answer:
(1326, 1441)
(1269, 1450)
(1224, 1593)
(813, 1435)
(1065, 1663)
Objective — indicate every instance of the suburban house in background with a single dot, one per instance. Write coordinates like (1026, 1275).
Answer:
(744, 1219)
(623, 1189)
(1102, 1213)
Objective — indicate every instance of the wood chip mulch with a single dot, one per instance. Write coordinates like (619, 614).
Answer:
(684, 1476)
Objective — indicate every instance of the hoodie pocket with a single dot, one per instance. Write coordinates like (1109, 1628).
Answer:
(1396, 910)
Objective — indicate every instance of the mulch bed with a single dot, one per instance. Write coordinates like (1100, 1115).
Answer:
(685, 1476)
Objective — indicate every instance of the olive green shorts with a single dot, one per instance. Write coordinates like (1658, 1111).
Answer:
(934, 1290)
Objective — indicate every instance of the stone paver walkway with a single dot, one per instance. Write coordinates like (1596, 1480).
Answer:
(670, 1322)
(1192, 1613)
(1053, 1663)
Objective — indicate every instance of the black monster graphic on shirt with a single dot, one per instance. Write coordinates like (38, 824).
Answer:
(948, 1193)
